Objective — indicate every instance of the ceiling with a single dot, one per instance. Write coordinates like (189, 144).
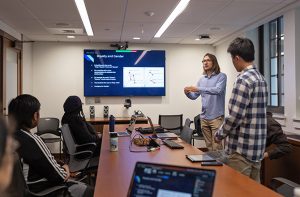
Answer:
(121, 20)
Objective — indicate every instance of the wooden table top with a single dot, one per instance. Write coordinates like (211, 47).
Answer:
(116, 168)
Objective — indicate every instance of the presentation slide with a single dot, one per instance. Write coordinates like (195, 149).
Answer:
(124, 73)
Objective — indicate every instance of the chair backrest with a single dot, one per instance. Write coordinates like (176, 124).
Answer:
(188, 122)
(171, 122)
(197, 123)
(48, 125)
(187, 133)
(68, 139)
(79, 159)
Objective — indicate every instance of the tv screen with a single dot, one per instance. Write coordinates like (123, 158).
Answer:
(124, 73)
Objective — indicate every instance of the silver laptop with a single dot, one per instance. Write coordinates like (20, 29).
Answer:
(167, 135)
(129, 129)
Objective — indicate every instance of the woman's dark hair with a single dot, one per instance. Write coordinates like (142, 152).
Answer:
(3, 137)
(22, 109)
(242, 47)
(216, 68)
(73, 109)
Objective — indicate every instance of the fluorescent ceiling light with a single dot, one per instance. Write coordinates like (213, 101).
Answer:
(71, 37)
(84, 17)
(136, 38)
(176, 12)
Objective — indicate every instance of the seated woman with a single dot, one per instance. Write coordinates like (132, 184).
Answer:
(44, 171)
(82, 131)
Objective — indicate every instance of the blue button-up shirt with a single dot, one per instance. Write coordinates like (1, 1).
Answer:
(212, 89)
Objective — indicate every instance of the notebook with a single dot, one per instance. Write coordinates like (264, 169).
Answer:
(158, 180)
(165, 135)
(129, 129)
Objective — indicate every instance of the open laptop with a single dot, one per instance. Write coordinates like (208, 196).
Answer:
(158, 180)
(165, 135)
(129, 129)
(152, 129)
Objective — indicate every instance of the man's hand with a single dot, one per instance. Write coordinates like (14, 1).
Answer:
(266, 155)
(66, 167)
(189, 89)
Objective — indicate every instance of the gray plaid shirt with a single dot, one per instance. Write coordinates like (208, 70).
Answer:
(246, 125)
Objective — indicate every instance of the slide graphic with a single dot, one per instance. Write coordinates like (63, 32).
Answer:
(143, 77)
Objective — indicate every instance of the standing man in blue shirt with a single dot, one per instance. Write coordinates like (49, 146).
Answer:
(211, 87)
(246, 125)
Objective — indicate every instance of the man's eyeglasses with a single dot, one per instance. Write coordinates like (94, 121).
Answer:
(208, 60)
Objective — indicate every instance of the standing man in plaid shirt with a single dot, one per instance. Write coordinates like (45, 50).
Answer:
(246, 125)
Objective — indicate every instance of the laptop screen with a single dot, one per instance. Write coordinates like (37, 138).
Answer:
(158, 180)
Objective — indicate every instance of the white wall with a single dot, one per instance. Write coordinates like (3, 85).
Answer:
(27, 73)
(58, 73)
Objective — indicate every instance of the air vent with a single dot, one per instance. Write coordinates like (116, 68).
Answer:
(69, 31)
(66, 31)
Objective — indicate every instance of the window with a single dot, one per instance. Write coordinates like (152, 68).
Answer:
(271, 46)
(276, 37)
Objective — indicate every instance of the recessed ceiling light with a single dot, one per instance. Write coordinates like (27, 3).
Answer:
(149, 13)
(136, 38)
(197, 39)
(71, 37)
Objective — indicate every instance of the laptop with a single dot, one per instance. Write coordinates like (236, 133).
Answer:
(159, 180)
(129, 129)
(165, 135)
(152, 129)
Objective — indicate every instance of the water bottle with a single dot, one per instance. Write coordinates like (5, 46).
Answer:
(111, 123)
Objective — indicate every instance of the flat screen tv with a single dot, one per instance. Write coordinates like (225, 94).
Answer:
(124, 73)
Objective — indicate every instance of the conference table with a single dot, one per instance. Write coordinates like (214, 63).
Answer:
(115, 169)
(98, 122)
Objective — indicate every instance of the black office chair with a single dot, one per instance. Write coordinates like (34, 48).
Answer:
(172, 123)
(197, 135)
(283, 186)
(187, 132)
(48, 130)
(19, 187)
(80, 156)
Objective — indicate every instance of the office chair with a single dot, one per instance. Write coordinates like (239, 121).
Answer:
(197, 135)
(283, 186)
(19, 187)
(80, 156)
(79, 160)
(187, 132)
(49, 126)
(172, 123)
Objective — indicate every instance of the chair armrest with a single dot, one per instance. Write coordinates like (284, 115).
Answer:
(86, 144)
(84, 154)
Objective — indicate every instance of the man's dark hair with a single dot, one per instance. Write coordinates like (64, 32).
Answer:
(242, 47)
(22, 109)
